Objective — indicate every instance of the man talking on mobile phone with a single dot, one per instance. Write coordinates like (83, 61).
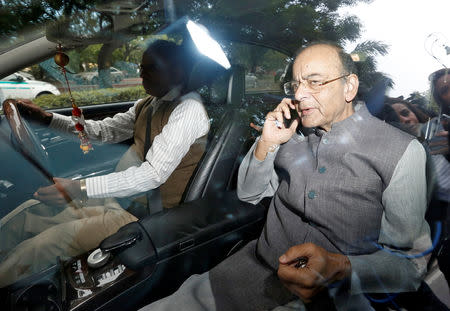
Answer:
(348, 206)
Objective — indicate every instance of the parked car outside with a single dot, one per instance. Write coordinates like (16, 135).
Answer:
(130, 70)
(250, 80)
(21, 85)
(91, 77)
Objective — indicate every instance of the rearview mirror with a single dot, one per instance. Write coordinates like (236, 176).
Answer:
(105, 23)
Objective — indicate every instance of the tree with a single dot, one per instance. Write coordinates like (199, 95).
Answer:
(284, 25)
(76, 22)
(417, 98)
(365, 53)
(19, 15)
(298, 21)
(425, 101)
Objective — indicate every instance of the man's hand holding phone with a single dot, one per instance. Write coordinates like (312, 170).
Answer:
(277, 129)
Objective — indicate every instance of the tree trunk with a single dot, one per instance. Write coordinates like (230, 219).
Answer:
(104, 62)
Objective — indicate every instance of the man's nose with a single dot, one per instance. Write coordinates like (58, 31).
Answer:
(302, 92)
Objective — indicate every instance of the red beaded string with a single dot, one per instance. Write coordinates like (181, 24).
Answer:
(61, 59)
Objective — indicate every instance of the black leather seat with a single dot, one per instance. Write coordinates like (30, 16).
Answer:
(214, 173)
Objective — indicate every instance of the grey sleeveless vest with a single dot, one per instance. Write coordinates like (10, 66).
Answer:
(331, 185)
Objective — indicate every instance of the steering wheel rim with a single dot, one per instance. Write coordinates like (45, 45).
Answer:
(27, 143)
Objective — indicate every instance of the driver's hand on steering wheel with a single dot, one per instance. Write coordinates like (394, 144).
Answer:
(62, 192)
(32, 111)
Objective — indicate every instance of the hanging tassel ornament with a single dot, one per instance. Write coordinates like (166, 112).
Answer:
(61, 59)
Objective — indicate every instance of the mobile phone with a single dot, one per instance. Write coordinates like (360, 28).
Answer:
(294, 115)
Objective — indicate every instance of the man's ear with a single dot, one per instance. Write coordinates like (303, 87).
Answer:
(351, 87)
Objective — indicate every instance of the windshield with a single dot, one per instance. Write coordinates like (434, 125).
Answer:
(133, 113)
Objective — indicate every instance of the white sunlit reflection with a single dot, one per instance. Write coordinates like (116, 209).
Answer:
(346, 138)
(207, 45)
(299, 160)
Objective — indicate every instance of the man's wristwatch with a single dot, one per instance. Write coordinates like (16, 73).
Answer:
(270, 148)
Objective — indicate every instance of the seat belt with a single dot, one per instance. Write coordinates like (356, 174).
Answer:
(154, 201)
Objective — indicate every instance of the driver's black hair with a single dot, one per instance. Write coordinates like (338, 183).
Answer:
(174, 54)
(166, 49)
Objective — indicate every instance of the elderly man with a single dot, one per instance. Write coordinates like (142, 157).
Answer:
(349, 198)
(164, 154)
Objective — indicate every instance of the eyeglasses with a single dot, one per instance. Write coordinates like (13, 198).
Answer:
(311, 85)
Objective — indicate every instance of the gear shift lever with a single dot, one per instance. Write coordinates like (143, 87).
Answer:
(98, 258)
(132, 245)
(121, 239)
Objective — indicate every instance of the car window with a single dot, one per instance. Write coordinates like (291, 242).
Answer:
(84, 78)
(10, 78)
(264, 67)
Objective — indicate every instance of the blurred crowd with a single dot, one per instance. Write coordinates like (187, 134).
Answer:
(429, 126)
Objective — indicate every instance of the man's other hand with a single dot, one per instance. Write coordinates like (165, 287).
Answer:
(61, 193)
(30, 110)
(322, 268)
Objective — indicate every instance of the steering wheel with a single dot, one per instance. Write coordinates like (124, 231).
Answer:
(25, 140)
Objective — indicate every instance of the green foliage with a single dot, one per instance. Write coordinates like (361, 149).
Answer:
(75, 61)
(90, 54)
(95, 97)
(418, 98)
(284, 25)
(20, 15)
(367, 65)
(131, 51)
(424, 100)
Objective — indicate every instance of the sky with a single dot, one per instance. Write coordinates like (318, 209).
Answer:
(405, 25)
